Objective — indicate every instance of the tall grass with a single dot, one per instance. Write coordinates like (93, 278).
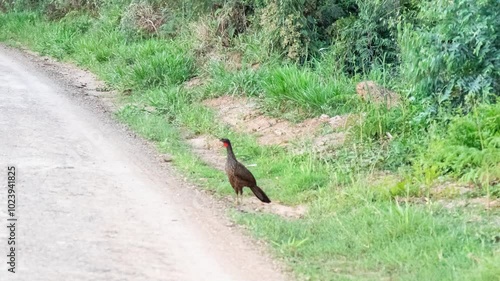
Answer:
(246, 81)
(289, 87)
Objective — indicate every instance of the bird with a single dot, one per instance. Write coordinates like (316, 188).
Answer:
(239, 176)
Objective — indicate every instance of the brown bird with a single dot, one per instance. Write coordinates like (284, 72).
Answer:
(239, 176)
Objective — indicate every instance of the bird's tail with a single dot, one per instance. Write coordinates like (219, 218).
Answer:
(260, 194)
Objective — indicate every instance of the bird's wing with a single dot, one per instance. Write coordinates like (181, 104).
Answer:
(243, 174)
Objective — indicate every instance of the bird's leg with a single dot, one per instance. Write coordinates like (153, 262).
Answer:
(238, 206)
(236, 200)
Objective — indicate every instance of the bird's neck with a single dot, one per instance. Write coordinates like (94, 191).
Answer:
(230, 153)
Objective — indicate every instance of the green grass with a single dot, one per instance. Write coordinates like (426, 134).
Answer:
(289, 87)
(348, 236)
(355, 229)
(243, 82)
(470, 148)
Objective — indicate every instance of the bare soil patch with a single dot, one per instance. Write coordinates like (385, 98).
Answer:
(209, 149)
(243, 115)
(193, 82)
(253, 205)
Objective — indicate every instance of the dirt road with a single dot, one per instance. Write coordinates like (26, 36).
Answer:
(93, 202)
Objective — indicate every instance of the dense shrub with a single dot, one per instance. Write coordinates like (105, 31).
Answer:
(359, 32)
(470, 149)
(57, 9)
(232, 21)
(191, 9)
(368, 37)
(300, 29)
(143, 19)
(284, 30)
(452, 55)
(22, 5)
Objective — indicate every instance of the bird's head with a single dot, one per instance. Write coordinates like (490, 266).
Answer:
(225, 142)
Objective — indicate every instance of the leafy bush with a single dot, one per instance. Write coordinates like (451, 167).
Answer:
(189, 9)
(451, 56)
(298, 28)
(368, 37)
(359, 32)
(232, 21)
(470, 149)
(57, 9)
(284, 30)
(21, 5)
(143, 19)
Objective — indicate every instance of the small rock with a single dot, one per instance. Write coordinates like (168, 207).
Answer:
(127, 92)
(102, 89)
(166, 158)
(372, 92)
(335, 120)
(193, 82)
(150, 109)
(494, 204)
(198, 143)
